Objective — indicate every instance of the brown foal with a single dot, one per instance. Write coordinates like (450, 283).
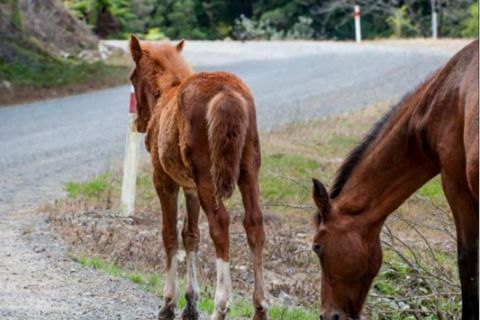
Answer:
(202, 136)
(432, 130)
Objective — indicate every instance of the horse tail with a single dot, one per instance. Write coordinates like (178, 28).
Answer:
(227, 121)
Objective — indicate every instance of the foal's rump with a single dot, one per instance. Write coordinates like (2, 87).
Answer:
(227, 120)
(216, 108)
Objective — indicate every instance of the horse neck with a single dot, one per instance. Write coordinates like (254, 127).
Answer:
(394, 166)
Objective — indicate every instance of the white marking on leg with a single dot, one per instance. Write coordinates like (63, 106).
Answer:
(170, 291)
(260, 287)
(259, 291)
(192, 283)
(224, 290)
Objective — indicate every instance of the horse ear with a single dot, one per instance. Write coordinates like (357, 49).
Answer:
(135, 49)
(179, 46)
(321, 199)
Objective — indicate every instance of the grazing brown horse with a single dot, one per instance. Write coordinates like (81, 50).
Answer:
(432, 130)
(202, 136)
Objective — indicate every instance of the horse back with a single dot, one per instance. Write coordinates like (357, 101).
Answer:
(448, 114)
(199, 89)
(197, 92)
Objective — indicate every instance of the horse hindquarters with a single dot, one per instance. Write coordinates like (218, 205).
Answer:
(227, 117)
(213, 149)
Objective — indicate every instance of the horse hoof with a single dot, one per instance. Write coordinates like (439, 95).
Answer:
(260, 314)
(190, 313)
(167, 313)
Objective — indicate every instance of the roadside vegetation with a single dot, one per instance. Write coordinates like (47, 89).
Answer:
(273, 19)
(46, 53)
(48, 72)
(418, 279)
(48, 78)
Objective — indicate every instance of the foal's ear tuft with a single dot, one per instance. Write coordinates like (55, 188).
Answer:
(321, 199)
(135, 49)
(179, 46)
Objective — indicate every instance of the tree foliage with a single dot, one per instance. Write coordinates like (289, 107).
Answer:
(274, 19)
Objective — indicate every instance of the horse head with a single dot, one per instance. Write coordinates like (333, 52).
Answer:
(350, 258)
(158, 67)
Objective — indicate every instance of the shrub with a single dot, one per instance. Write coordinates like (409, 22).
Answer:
(401, 24)
(155, 34)
(470, 25)
(302, 29)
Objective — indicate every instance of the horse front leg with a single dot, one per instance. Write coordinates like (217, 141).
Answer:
(465, 213)
(254, 227)
(167, 191)
(191, 239)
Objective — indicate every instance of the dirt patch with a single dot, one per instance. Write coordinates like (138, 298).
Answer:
(135, 243)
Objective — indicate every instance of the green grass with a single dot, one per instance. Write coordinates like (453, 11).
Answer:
(88, 189)
(283, 177)
(401, 288)
(153, 283)
(102, 265)
(50, 72)
(432, 189)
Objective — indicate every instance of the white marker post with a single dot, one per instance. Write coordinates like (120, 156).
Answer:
(434, 20)
(358, 28)
(130, 162)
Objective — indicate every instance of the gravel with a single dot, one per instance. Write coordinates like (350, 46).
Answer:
(39, 281)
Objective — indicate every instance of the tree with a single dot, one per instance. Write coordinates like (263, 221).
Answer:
(470, 25)
(400, 23)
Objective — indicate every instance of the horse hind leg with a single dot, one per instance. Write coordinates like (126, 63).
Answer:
(254, 227)
(191, 238)
(167, 191)
(218, 222)
(465, 213)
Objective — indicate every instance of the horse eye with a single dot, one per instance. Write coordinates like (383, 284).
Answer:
(317, 248)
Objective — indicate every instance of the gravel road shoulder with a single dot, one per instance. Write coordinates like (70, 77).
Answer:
(39, 281)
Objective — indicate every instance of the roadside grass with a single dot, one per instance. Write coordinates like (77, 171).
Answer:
(432, 190)
(90, 189)
(35, 76)
(61, 72)
(282, 177)
(418, 278)
(239, 308)
(413, 285)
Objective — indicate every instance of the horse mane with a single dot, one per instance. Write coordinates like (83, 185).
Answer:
(165, 58)
(356, 155)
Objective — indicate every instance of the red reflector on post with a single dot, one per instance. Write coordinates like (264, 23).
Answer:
(356, 11)
(133, 102)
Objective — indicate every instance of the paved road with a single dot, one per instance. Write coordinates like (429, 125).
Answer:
(45, 144)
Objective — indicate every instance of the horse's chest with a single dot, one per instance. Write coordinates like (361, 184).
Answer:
(169, 151)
